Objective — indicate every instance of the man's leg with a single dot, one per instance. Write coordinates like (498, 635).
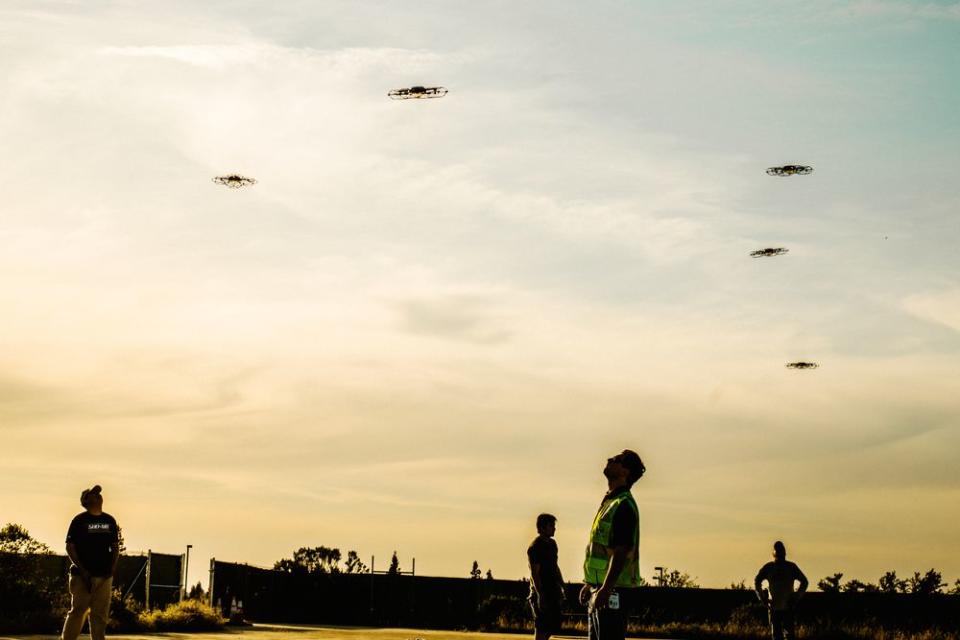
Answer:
(100, 607)
(788, 625)
(540, 630)
(593, 621)
(607, 623)
(613, 625)
(548, 621)
(776, 624)
(79, 603)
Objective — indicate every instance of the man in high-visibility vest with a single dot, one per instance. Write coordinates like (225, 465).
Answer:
(611, 570)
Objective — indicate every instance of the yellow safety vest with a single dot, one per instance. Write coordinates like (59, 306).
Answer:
(598, 550)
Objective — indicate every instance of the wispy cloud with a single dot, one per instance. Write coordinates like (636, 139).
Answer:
(865, 9)
(424, 305)
(458, 317)
(941, 307)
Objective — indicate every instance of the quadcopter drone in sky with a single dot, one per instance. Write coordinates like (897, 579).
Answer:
(769, 252)
(234, 181)
(790, 170)
(417, 93)
(802, 365)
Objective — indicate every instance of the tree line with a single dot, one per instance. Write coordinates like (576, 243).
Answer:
(16, 541)
(920, 583)
(328, 560)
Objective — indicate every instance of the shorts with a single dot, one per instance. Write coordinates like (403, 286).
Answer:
(546, 619)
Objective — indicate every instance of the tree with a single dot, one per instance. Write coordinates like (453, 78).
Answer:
(955, 591)
(394, 569)
(121, 543)
(354, 564)
(930, 582)
(311, 560)
(489, 574)
(855, 586)
(831, 584)
(15, 538)
(680, 580)
(196, 592)
(30, 597)
(475, 571)
(889, 583)
(739, 586)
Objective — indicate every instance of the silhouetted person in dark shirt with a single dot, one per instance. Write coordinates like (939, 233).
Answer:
(611, 569)
(546, 581)
(93, 546)
(781, 599)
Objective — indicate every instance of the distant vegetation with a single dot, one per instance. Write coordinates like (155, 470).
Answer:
(29, 600)
(926, 583)
(326, 560)
(32, 601)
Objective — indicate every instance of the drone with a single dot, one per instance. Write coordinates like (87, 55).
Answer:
(801, 365)
(790, 170)
(234, 181)
(417, 92)
(769, 252)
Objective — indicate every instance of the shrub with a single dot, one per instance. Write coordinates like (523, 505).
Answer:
(30, 599)
(189, 615)
(124, 613)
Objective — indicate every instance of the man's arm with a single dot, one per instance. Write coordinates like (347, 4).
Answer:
(617, 561)
(116, 549)
(74, 556)
(804, 583)
(115, 560)
(75, 559)
(535, 575)
(758, 585)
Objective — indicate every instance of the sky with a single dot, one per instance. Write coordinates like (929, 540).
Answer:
(431, 320)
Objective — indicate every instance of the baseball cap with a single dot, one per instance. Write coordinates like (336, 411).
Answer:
(86, 493)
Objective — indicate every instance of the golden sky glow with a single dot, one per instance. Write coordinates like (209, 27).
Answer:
(430, 321)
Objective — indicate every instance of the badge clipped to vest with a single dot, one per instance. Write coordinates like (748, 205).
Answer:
(614, 602)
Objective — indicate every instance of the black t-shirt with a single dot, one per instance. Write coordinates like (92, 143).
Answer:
(543, 551)
(95, 538)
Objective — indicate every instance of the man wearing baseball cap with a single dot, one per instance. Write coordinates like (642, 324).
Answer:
(93, 546)
(611, 570)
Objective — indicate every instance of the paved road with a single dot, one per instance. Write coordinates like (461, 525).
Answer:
(298, 632)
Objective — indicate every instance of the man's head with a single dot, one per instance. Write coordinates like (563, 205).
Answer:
(779, 551)
(546, 524)
(625, 468)
(91, 499)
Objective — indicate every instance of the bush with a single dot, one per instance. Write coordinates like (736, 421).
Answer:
(189, 615)
(124, 613)
(30, 599)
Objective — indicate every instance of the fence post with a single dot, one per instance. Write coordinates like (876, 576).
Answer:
(213, 564)
(183, 576)
(146, 586)
(372, 573)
